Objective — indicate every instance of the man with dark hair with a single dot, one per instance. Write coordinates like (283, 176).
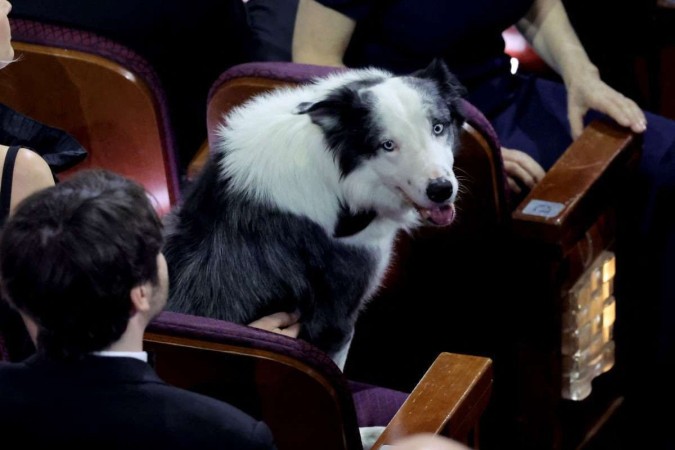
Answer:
(82, 263)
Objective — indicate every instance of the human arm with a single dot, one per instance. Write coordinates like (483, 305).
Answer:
(548, 29)
(282, 323)
(321, 34)
(31, 174)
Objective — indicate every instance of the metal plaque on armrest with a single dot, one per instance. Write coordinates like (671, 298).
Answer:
(543, 208)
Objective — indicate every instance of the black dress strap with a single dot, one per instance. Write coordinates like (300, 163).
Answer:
(6, 186)
(15, 344)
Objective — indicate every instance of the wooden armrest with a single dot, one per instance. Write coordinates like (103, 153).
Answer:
(449, 399)
(578, 186)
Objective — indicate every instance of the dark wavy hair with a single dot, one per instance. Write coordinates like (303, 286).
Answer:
(71, 254)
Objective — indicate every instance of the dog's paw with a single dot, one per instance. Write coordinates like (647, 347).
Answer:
(369, 435)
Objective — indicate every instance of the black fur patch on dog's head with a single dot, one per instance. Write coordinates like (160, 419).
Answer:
(346, 115)
(450, 90)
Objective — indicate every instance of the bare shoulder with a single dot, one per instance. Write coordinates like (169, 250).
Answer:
(31, 173)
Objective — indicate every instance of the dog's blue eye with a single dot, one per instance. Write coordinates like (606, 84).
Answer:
(388, 145)
(438, 128)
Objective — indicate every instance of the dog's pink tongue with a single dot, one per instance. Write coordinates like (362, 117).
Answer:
(443, 215)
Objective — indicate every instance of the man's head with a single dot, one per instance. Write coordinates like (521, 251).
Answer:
(82, 258)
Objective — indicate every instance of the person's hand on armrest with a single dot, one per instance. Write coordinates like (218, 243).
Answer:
(521, 170)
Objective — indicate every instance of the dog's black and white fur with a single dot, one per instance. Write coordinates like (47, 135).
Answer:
(300, 203)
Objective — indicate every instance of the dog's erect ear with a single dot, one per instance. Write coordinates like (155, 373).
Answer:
(438, 71)
(448, 85)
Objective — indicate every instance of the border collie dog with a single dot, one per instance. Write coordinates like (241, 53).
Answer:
(304, 193)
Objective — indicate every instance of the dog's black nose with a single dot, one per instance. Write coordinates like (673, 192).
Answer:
(439, 190)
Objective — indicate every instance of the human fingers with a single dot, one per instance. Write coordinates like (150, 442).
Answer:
(276, 321)
(517, 175)
(631, 115)
(286, 319)
(522, 166)
(530, 165)
(575, 115)
(290, 331)
(513, 185)
(601, 97)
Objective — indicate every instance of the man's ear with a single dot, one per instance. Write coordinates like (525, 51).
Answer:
(140, 297)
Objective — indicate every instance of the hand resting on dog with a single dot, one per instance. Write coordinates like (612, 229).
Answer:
(284, 323)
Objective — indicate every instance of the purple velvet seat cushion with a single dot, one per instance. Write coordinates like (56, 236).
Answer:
(375, 405)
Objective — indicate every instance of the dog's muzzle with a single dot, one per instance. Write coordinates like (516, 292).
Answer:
(439, 216)
(440, 192)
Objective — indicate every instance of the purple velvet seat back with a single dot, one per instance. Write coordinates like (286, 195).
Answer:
(244, 339)
(361, 403)
(273, 70)
(38, 33)
(220, 331)
(477, 120)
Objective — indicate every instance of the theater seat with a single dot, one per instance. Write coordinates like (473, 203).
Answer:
(300, 393)
(104, 94)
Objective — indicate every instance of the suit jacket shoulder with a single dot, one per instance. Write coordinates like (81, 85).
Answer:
(116, 403)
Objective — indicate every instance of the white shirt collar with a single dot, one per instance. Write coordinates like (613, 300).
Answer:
(143, 356)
